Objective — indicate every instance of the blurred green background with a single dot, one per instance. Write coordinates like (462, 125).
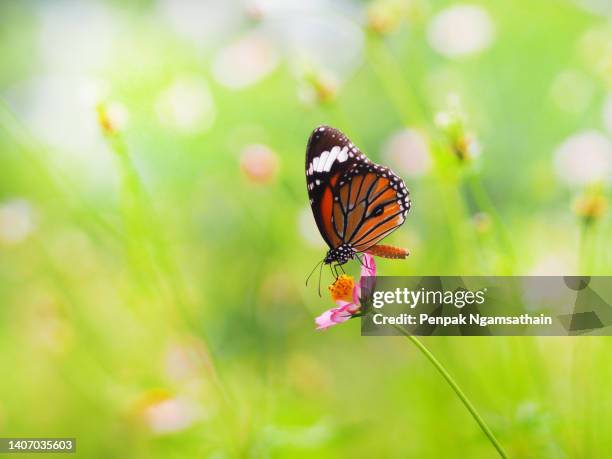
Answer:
(155, 232)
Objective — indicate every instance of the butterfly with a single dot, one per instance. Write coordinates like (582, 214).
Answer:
(355, 202)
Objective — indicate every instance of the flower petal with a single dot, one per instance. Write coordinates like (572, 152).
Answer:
(345, 306)
(325, 320)
(340, 315)
(357, 294)
(335, 316)
(368, 268)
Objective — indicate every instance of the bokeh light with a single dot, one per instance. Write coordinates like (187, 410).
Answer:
(408, 151)
(584, 157)
(461, 30)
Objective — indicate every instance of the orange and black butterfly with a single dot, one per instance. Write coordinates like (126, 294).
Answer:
(355, 202)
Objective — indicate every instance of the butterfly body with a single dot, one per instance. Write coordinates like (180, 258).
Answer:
(355, 202)
(340, 255)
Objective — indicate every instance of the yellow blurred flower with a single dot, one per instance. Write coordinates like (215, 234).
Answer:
(112, 117)
(465, 146)
(453, 123)
(591, 206)
(318, 88)
(384, 17)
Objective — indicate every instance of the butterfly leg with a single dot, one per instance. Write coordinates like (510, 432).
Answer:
(335, 270)
(359, 258)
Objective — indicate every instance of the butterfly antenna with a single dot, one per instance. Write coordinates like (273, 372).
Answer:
(311, 272)
(320, 275)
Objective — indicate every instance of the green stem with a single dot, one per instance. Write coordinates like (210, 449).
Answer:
(399, 91)
(484, 202)
(585, 248)
(451, 382)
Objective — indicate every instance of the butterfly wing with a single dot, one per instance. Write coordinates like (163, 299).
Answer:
(329, 155)
(354, 201)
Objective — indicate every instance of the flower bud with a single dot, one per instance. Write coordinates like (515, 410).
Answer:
(591, 206)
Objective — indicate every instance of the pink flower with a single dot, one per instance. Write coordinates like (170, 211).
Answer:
(346, 294)
(368, 268)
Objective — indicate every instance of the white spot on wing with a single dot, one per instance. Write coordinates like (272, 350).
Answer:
(331, 157)
(322, 159)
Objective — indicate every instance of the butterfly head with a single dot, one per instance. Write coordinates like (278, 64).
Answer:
(340, 255)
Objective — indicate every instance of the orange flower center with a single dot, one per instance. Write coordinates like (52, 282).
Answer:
(342, 288)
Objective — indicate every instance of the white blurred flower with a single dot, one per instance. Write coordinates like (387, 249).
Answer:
(259, 163)
(443, 119)
(319, 34)
(544, 285)
(409, 152)
(112, 117)
(583, 158)
(552, 265)
(461, 30)
(603, 7)
(206, 23)
(186, 105)
(16, 221)
(60, 111)
(572, 91)
(171, 414)
(118, 115)
(76, 36)
(308, 228)
(245, 62)
(607, 113)
(54, 105)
